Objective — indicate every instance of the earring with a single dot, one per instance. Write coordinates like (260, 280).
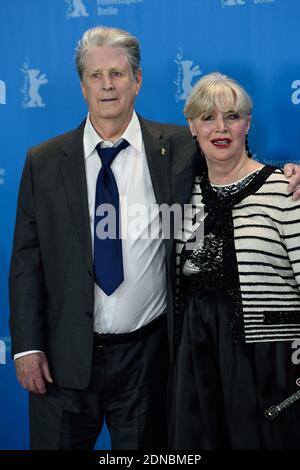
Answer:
(249, 153)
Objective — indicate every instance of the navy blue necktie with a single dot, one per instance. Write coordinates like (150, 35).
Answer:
(108, 262)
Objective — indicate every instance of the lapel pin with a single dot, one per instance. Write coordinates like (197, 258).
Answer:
(163, 152)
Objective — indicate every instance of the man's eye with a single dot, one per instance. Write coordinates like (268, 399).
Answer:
(116, 74)
(96, 75)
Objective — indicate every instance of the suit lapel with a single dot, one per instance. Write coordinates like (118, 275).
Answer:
(158, 153)
(158, 157)
(74, 180)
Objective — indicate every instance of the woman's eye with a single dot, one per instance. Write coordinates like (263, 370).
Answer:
(210, 117)
(232, 116)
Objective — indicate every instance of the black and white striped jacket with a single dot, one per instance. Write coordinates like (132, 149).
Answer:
(266, 231)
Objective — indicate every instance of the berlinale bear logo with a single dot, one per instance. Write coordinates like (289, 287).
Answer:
(76, 8)
(33, 80)
(186, 72)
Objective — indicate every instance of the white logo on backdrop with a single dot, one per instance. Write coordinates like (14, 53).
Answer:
(2, 352)
(2, 92)
(4, 349)
(186, 72)
(110, 7)
(232, 3)
(263, 1)
(76, 8)
(32, 82)
(295, 97)
(2, 175)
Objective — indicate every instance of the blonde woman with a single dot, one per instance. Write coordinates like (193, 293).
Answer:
(238, 301)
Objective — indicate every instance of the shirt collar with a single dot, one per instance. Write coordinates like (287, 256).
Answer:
(132, 134)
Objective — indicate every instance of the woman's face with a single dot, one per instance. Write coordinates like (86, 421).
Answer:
(221, 136)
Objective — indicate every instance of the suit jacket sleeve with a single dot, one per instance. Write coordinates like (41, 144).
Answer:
(26, 280)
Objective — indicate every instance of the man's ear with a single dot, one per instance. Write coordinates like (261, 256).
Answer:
(138, 81)
(82, 86)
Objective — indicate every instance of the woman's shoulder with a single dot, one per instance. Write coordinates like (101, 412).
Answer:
(276, 179)
(275, 188)
(277, 174)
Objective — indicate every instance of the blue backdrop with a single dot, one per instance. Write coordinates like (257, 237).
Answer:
(255, 41)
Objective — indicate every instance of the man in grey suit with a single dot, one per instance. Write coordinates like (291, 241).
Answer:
(85, 354)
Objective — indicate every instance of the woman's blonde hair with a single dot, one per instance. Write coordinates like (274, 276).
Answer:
(217, 91)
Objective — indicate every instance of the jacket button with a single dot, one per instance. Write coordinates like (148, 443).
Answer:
(89, 314)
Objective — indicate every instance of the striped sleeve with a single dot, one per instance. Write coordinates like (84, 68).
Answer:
(291, 235)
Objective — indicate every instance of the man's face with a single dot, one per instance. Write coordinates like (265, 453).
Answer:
(108, 86)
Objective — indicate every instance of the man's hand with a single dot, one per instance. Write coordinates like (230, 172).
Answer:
(32, 371)
(293, 171)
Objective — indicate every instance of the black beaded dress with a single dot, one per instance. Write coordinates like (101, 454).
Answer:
(228, 394)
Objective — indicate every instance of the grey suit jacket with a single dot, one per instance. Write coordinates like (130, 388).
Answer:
(51, 276)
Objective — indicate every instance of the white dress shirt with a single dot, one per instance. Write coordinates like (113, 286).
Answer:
(142, 295)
